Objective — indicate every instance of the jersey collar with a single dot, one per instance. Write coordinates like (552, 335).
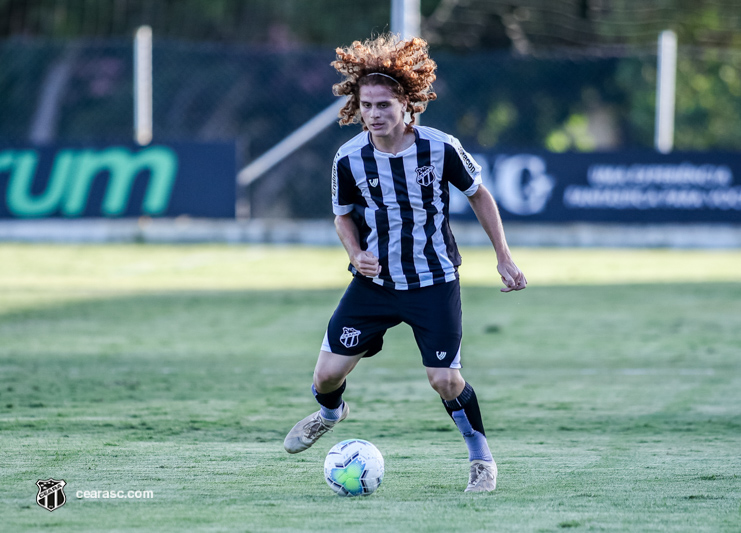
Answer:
(411, 149)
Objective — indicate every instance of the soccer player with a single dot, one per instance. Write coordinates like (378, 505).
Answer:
(390, 197)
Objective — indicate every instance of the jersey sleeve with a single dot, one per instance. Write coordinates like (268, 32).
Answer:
(461, 169)
(343, 186)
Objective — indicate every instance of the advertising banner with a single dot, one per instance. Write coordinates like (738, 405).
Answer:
(622, 187)
(160, 180)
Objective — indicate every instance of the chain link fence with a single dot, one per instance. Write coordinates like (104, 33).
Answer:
(80, 91)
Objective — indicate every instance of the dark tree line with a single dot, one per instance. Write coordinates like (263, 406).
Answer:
(570, 74)
(525, 26)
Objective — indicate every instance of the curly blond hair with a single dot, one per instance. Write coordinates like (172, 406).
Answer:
(407, 63)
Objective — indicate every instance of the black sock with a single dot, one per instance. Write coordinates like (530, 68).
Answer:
(330, 400)
(470, 405)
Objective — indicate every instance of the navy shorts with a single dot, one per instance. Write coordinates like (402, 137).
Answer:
(367, 310)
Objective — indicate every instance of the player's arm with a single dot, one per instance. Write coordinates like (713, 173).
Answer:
(364, 262)
(486, 210)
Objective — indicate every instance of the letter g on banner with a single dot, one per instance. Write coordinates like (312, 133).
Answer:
(522, 186)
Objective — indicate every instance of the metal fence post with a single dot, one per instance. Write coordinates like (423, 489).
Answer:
(665, 91)
(143, 85)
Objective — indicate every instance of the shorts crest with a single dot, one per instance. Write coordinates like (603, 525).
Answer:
(349, 337)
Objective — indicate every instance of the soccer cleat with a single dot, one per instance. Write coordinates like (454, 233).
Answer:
(483, 477)
(308, 430)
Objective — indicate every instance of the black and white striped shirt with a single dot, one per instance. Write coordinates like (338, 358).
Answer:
(400, 204)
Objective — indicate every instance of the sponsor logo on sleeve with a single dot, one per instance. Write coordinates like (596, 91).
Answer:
(334, 177)
(469, 164)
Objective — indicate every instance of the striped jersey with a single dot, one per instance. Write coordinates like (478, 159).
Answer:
(400, 204)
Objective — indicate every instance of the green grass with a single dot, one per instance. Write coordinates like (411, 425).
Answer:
(611, 391)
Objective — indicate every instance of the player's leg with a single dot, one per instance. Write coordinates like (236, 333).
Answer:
(461, 403)
(439, 337)
(329, 384)
(355, 331)
(447, 382)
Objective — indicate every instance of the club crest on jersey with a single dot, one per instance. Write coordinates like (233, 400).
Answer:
(349, 337)
(425, 175)
(373, 182)
(51, 493)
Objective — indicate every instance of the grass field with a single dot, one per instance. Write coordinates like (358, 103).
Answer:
(611, 392)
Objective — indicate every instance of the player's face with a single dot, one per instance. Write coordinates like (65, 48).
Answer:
(382, 112)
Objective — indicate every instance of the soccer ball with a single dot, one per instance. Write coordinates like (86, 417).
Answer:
(353, 468)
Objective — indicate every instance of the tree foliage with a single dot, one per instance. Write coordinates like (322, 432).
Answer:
(565, 74)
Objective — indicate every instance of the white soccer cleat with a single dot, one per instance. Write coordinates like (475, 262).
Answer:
(307, 431)
(483, 477)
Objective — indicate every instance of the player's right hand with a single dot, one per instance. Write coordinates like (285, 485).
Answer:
(367, 264)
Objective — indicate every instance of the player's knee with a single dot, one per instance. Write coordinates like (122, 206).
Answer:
(447, 384)
(327, 380)
(332, 369)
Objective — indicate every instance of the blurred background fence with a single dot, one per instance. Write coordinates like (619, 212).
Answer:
(559, 76)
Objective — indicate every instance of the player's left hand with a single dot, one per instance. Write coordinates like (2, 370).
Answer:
(512, 276)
